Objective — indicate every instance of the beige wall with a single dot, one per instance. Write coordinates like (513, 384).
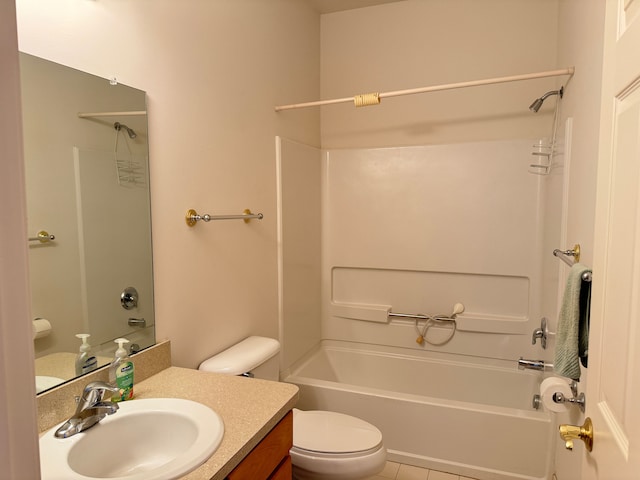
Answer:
(580, 43)
(18, 428)
(418, 43)
(213, 72)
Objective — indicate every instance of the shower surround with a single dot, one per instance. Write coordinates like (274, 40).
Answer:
(419, 229)
(416, 230)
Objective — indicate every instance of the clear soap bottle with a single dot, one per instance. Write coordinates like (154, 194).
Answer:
(85, 362)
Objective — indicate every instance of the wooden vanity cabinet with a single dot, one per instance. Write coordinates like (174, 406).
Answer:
(270, 459)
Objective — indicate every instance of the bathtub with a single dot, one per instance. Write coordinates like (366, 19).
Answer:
(463, 415)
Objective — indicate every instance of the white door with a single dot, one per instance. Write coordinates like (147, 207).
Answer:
(613, 389)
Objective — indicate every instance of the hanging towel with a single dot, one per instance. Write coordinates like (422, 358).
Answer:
(572, 338)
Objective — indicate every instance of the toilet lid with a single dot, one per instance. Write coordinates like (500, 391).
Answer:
(331, 432)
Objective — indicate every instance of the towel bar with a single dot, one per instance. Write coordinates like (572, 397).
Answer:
(192, 217)
(43, 237)
(575, 253)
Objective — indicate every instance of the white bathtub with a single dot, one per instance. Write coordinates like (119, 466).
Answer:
(466, 416)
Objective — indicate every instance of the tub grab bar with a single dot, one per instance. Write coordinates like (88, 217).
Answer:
(458, 308)
(429, 321)
(419, 316)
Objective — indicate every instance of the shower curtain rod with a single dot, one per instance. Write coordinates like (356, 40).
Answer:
(374, 98)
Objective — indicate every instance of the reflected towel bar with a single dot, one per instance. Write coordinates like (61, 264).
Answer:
(575, 253)
(111, 114)
(192, 217)
(42, 237)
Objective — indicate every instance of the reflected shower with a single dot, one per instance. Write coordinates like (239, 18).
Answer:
(118, 126)
(537, 103)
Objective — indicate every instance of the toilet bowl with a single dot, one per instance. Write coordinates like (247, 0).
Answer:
(330, 445)
(326, 445)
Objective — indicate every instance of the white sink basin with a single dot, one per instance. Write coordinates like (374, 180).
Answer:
(157, 438)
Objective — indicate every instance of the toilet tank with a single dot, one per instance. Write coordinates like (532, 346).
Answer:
(256, 355)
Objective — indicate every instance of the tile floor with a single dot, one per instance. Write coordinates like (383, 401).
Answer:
(398, 471)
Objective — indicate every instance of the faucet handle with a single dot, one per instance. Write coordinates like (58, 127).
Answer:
(94, 392)
(542, 333)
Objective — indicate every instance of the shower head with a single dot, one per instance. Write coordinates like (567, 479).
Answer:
(118, 126)
(537, 103)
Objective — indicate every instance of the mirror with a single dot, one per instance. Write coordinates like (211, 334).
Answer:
(87, 179)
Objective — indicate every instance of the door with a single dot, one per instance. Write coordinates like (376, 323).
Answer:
(613, 387)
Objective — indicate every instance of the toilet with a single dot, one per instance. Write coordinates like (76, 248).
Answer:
(326, 445)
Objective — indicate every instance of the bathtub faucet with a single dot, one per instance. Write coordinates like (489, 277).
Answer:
(533, 364)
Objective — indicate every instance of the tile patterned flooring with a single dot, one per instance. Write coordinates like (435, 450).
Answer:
(398, 471)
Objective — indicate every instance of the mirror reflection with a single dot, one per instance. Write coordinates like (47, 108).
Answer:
(86, 167)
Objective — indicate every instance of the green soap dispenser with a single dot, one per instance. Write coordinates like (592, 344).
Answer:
(85, 362)
(121, 372)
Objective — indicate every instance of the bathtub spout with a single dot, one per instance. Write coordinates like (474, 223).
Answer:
(533, 364)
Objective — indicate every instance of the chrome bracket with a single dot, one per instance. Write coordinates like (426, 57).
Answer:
(579, 400)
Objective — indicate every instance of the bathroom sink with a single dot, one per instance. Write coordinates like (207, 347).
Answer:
(157, 438)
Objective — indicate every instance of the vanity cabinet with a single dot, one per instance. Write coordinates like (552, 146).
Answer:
(270, 459)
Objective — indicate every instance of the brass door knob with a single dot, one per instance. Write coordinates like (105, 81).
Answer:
(569, 433)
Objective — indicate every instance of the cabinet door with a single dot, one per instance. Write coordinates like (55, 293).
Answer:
(284, 470)
(267, 456)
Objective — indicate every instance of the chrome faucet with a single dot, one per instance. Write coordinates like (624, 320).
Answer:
(533, 364)
(90, 410)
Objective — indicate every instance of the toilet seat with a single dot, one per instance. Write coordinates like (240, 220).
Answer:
(332, 433)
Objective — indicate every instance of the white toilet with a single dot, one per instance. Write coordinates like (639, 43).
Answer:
(326, 445)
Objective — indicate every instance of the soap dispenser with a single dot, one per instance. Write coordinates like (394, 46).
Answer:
(85, 362)
(121, 372)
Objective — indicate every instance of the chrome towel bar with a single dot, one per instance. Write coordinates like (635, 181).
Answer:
(575, 253)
